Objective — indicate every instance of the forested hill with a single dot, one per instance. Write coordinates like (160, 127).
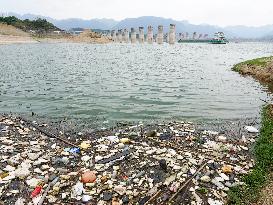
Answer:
(37, 25)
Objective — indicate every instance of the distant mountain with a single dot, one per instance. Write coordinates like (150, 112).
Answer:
(94, 23)
(250, 32)
(268, 37)
(72, 22)
(181, 26)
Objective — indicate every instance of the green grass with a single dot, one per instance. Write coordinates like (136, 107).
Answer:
(257, 178)
(261, 62)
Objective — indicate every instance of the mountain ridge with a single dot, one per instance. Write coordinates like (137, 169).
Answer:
(237, 31)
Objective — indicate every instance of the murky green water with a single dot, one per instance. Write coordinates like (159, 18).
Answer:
(130, 82)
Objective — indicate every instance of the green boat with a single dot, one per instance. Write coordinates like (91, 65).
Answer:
(219, 38)
(194, 40)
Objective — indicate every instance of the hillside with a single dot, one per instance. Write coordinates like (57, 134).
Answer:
(39, 25)
(11, 30)
(9, 34)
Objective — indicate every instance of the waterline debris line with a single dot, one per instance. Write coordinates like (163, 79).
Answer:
(48, 134)
(138, 164)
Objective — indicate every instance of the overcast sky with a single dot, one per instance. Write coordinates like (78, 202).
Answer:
(217, 12)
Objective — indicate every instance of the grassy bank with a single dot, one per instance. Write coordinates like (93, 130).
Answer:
(258, 62)
(260, 68)
(263, 150)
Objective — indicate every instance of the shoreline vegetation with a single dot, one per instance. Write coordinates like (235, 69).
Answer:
(256, 189)
(14, 30)
(260, 68)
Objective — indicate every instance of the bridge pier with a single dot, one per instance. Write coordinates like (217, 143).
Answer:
(160, 35)
(141, 35)
(172, 38)
(150, 35)
(133, 35)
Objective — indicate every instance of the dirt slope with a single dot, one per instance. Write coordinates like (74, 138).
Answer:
(11, 30)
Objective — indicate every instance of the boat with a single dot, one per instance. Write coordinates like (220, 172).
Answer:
(219, 38)
(194, 40)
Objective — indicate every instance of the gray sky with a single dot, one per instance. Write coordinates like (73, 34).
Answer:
(217, 12)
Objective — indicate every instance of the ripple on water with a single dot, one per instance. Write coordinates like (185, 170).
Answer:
(125, 82)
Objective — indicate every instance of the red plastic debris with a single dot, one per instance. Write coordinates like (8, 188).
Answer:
(36, 191)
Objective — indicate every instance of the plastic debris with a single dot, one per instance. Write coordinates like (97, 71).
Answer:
(251, 129)
(77, 190)
(89, 177)
(125, 140)
(20, 201)
(75, 150)
(227, 169)
(36, 191)
(130, 164)
(84, 145)
(86, 198)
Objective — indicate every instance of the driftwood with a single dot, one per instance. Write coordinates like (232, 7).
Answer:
(187, 182)
(48, 134)
(180, 189)
(153, 197)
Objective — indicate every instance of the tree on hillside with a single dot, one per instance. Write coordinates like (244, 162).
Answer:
(39, 25)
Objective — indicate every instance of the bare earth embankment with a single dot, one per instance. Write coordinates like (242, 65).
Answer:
(86, 37)
(10, 35)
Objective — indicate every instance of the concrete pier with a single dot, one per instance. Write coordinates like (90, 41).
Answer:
(172, 37)
(126, 36)
(123, 36)
(187, 35)
(114, 35)
(119, 38)
(141, 35)
(133, 35)
(160, 35)
(150, 35)
(194, 35)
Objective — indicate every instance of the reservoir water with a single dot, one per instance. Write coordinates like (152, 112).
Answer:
(124, 82)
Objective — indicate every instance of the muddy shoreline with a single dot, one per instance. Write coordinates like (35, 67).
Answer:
(85, 37)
